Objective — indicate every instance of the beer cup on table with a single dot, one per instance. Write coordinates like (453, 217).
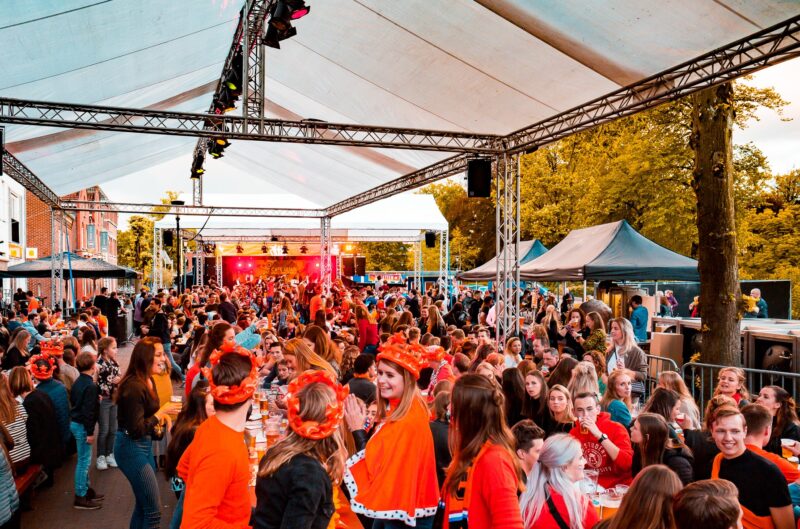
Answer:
(785, 444)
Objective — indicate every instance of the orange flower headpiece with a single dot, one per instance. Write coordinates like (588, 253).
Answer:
(42, 366)
(52, 348)
(410, 356)
(232, 394)
(333, 412)
(434, 353)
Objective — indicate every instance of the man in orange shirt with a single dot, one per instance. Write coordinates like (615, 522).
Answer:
(215, 467)
(316, 303)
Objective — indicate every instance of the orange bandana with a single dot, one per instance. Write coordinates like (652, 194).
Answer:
(233, 394)
(42, 367)
(334, 411)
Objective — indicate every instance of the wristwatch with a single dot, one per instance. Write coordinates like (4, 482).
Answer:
(602, 438)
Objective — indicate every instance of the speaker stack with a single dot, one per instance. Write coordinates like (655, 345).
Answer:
(479, 178)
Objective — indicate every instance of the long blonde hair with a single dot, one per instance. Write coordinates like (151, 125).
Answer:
(411, 396)
(305, 358)
(584, 379)
(564, 391)
(628, 338)
(330, 452)
(551, 314)
(739, 372)
(611, 390)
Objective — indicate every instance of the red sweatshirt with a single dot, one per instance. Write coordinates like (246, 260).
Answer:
(611, 472)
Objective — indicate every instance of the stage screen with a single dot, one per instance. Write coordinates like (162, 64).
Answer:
(292, 266)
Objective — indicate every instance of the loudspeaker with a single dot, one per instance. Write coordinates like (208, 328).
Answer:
(166, 237)
(348, 266)
(479, 178)
(430, 239)
(361, 265)
(210, 269)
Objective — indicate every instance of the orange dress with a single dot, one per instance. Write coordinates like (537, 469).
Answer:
(394, 477)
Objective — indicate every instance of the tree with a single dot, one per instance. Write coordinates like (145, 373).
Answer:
(713, 183)
(385, 255)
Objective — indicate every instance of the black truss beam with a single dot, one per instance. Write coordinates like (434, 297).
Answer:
(115, 119)
(20, 173)
(217, 211)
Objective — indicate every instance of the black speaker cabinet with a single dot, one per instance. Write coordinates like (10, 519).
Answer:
(479, 178)
(430, 239)
(167, 237)
(361, 265)
(348, 266)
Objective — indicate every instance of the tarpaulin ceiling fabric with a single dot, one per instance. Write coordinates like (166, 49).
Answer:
(613, 251)
(528, 251)
(74, 265)
(488, 66)
(400, 216)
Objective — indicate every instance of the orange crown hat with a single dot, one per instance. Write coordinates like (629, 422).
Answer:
(410, 356)
(42, 366)
(242, 391)
(334, 411)
(52, 348)
(434, 353)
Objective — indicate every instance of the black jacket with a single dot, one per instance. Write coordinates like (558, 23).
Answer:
(160, 327)
(363, 389)
(85, 402)
(136, 408)
(44, 435)
(441, 449)
(227, 311)
(298, 496)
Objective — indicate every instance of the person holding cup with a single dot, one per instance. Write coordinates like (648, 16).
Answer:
(648, 498)
(785, 435)
(605, 443)
(623, 353)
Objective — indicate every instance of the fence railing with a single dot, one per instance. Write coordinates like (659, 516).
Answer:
(701, 379)
(655, 366)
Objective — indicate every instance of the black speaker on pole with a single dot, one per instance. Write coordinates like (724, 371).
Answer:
(430, 239)
(166, 237)
(361, 265)
(348, 266)
(479, 178)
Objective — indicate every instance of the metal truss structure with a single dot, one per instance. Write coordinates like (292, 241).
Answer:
(157, 277)
(325, 271)
(203, 211)
(507, 291)
(200, 262)
(57, 239)
(24, 176)
(305, 239)
(444, 266)
(116, 119)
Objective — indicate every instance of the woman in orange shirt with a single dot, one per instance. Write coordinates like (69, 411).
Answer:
(393, 480)
(484, 477)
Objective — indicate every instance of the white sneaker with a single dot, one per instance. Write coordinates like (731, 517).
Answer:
(101, 463)
(110, 461)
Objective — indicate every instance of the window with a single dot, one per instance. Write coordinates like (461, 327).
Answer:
(15, 215)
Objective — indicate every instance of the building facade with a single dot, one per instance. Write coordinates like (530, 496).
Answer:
(90, 234)
(13, 233)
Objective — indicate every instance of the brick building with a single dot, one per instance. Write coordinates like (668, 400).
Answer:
(91, 234)
(12, 232)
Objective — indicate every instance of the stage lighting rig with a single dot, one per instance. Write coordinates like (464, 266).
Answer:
(197, 165)
(264, 248)
(217, 146)
(239, 249)
(285, 249)
(274, 238)
(304, 249)
(280, 23)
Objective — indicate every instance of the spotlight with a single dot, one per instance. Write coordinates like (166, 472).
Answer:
(217, 146)
(285, 249)
(274, 36)
(263, 248)
(348, 248)
(304, 249)
(239, 248)
(281, 16)
(274, 238)
(233, 81)
(197, 166)
(300, 9)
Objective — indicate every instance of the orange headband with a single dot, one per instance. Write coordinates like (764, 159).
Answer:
(52, 348)
(232, 394)
(41, 372)
(334, 411)
(410, 356)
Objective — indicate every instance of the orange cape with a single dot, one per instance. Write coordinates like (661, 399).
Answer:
(394, 477)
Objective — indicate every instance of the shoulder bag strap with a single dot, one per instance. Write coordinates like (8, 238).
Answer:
(556, 515)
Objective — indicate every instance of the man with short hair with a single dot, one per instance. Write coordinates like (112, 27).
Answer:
(529, 441)
(606, 444)
(708, 504)
(759, 429)
(539, 342)
(30, 326)
(227, 309)
(639, 318)
(763, 494)
(550, 359)
(101, 301)
(362, 385)
(483, 335)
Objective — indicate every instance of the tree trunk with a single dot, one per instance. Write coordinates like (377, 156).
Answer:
(712, 121)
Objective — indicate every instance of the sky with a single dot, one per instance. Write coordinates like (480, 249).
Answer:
(778, 137)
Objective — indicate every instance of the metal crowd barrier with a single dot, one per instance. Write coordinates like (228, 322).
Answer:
(701, 379)
(655, 366)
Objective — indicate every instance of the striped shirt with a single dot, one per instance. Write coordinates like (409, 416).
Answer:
(19, 434)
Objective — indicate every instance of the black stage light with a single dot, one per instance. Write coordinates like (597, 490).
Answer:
(274, 238)
(197, 166)
(233, 81)
(217, 146)
(285, 249)
(299, 9)
(274, 36)
(281, 16)
(239, 248)
(263, 248)
(304, 249)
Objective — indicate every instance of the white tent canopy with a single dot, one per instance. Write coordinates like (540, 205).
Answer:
(400, 216)
(489, 66)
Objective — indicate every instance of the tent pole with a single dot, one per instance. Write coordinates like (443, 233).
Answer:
(584, 291)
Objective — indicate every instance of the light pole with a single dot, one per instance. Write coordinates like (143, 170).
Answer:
(180, 281)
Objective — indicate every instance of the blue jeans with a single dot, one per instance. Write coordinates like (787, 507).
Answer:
(172, 362)
(84, 459)
(422, 523)
(108, 427)
(177, 514)
(135, 460)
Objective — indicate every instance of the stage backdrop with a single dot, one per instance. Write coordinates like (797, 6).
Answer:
(292, 266)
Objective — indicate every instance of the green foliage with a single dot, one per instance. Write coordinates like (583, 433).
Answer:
(385, 255)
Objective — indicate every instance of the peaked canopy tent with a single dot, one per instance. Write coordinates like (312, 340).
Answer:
(613, 251)
(528, 251)
(79, 268)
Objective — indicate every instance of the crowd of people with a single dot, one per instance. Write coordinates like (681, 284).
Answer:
(399, 412)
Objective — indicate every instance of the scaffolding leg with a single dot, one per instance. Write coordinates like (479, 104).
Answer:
(507, 242)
